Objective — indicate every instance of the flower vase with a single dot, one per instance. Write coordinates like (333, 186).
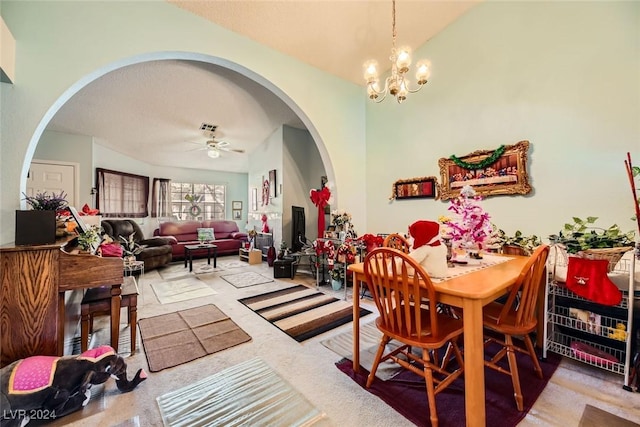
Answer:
(336, 284)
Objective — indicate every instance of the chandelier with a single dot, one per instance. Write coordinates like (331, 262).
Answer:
(397, 83)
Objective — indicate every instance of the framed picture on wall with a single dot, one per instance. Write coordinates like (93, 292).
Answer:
(272, 183)
(236, 205)
(237, 214)
(489, 172)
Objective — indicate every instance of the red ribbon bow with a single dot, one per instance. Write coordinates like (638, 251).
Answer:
(320, 198)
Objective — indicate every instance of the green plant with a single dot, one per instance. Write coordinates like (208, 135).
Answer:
(527, 243)
(129, 246)
(45, 202)
(337, 273)
(89, 239)
(581, 235)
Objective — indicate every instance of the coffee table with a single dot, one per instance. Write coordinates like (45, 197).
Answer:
(189, 249)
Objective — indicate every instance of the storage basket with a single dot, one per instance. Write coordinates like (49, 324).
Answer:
(613, 255)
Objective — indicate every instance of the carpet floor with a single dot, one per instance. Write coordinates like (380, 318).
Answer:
(247, 394)
(301, 312)
(176, 338)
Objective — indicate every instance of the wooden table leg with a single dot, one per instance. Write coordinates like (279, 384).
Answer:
(356, 324)
(115, 315)
(473, 363)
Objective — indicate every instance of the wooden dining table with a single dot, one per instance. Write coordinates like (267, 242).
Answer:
(471, 292)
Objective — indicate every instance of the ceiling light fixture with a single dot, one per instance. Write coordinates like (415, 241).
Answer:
(396, 84)
(214, 154)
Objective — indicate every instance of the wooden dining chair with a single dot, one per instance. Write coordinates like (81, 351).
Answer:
(396, 282)
(516, 318)
(397, 241)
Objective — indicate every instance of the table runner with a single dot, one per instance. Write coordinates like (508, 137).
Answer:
(462, 269)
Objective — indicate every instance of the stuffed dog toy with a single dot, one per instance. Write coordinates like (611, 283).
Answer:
(49, 387)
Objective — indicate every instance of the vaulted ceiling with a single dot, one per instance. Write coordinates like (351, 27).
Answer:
(153, 111)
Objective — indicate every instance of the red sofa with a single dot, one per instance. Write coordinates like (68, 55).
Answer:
(228, 237)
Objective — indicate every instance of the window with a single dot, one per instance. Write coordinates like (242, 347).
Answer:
(197, 201)
(122, 195)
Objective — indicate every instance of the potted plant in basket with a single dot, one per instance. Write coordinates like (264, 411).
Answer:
(516, 244)
(584, 239)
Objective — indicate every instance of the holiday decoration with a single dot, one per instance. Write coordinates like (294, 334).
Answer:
(320, 198)
(472, 228)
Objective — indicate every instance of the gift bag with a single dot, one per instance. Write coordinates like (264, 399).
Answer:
(588, 279)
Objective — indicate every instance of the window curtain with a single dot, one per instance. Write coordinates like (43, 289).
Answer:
(161, 198)
(122, 195)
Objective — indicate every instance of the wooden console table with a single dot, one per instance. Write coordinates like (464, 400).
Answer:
(34, 280)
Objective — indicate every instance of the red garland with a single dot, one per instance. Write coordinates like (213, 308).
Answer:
(320, 198)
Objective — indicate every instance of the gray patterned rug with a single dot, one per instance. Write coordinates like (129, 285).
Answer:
(248, 278)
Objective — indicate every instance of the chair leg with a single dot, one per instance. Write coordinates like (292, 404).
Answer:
(84, 332)
(534, 357)
(383, 342)
(515, 377)
(133, 324)
(431, 396)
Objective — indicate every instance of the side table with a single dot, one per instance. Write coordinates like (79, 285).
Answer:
(251, 256)
(189, 249)
(131, 269)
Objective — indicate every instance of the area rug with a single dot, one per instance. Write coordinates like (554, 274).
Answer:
(181, 289)
(301, 312)
(225, 265)
(246, 279)
(596, 417)
(178, 270)
(342, 345)
(406, 393)
(175, 338)
(250, 393)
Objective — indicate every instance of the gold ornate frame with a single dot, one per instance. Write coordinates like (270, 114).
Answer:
(507, 175)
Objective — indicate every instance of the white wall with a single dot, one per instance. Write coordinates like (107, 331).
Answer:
(563, 75)
(268, 156)
(64, 147)
(76, 42)
(303, 170)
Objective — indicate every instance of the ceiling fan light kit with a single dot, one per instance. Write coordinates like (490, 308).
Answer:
(396, 84)
(214, 154)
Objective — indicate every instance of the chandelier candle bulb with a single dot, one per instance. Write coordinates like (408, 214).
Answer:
(396, 84)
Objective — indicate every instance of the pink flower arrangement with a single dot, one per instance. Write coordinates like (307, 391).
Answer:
(473, 226)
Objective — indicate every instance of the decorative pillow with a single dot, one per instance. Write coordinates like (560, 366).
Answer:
(206, 234)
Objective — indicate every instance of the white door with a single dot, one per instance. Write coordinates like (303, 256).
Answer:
(53, 178)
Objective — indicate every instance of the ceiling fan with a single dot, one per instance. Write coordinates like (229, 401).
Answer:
(214, 148)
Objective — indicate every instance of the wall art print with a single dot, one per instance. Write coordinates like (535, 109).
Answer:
(422, 188)
(489, 172)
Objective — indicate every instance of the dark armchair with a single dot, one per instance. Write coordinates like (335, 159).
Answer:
(157, 251)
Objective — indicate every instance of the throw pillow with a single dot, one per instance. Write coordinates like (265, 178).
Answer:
(206, 234)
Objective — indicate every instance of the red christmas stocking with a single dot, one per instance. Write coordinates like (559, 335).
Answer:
(588, 278)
